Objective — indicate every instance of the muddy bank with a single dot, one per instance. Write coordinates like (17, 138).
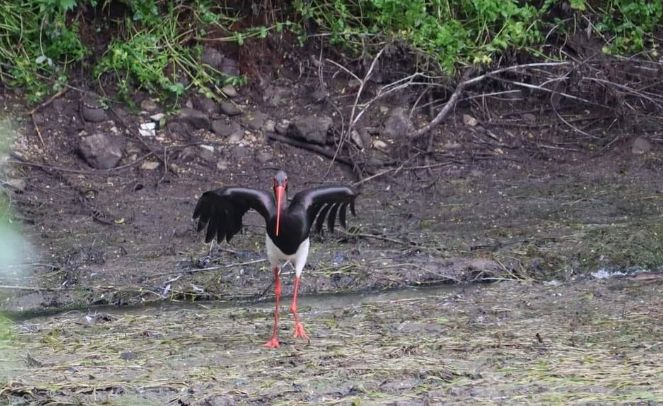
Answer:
(595, 341)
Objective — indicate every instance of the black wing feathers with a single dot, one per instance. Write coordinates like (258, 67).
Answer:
(221, 210)
(325, 202)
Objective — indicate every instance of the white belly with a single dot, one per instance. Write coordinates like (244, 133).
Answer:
(277, 258)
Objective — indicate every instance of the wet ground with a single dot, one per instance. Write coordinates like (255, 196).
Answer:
(535, 213)
(591, 342)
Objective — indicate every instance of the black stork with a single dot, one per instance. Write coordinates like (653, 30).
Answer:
(288, 226)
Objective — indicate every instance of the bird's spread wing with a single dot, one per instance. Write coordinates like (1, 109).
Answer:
(325, 202)
(222, 210)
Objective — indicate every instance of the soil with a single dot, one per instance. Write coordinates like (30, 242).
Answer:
(496, 203)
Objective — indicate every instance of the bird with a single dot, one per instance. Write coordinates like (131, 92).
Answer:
(288, 226)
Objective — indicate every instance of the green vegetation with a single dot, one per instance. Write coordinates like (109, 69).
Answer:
(157, 45)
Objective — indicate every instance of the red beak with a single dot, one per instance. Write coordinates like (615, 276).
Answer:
(279, 191)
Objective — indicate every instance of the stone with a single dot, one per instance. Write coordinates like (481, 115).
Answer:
(361, 138)
(229, 109)
(529, 117)
(282, 127)
(188, 154)
(196, 118)
(205, 154)
(213, 57)
(398, 124)
(147, 129)
(641, 146)
(230, 67)
(311, 128)
(470, 121)
(93, 110)
(223, 128)
(18, 184)
(269, 126)
(380, 145)
(229, 90)
(204, 104)
(222, 165)
(264, 156)
(149, 165)
(276, 95)
(236, 137)
(101, 151)
(255, 120)
(149, 105)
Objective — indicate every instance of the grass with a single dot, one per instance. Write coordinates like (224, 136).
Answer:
(156, 45)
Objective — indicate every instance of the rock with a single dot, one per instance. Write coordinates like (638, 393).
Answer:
(101, 151)
(319, 94)
(282, 127)
(230, 67)
(276, 95)
(398, 124)
(269, 126)
(149, 165)
(529, 117)
(361, 138)
(213, 58)
(380, 145)
(230, 109)
(206, 154)
(640, 146)
(223, 128)
(157, 117)
(149, 105)
(312, 128)
(16, 183)
(264, 156)
(147, 129)
(255, 120)
(204, 104)
(93, 110)
(188, 154)
(222, 165)
(159, 120)
(469, 120)
(229, 90)
(60, 105)
(235, 138)
(353, 85)
(197, 119)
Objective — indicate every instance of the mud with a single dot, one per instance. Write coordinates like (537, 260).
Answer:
(534, 207)
(583, 342)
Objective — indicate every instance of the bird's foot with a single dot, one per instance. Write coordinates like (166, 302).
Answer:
(299, 331)
(272, 343)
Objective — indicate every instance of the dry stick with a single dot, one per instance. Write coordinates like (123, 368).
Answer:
(462, 85)
(212, 268)
(320, 150)
(352, 121)
(41, 106)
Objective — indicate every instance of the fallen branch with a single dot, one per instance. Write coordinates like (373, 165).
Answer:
(309, 147)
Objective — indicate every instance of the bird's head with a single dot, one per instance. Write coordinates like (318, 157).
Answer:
(280, 189)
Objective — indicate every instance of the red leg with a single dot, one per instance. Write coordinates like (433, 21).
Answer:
(299, 327)
(274, 341)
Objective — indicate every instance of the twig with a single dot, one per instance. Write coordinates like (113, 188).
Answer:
(212, 268)
(467, 82)
(320, 150)
(31, 288)
(42, 105)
